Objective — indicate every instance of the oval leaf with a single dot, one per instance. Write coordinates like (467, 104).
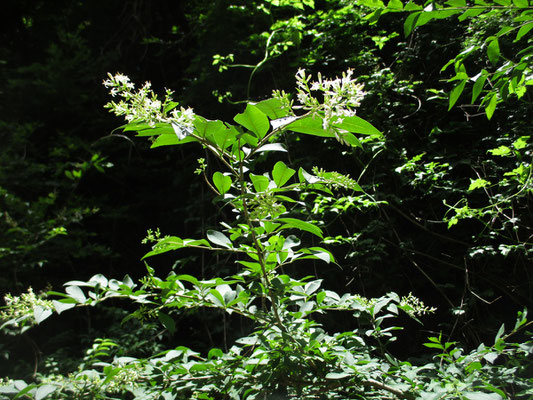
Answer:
(254, 120)
(260, 182)
(493, 51)
(222, 182)
(309, 126)
(455, 93)
(219, 238)
(302, 225)
(167, 321)
(356, 124)
(281, 173)
(44, 391)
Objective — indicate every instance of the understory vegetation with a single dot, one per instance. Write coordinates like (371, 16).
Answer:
(306, 199)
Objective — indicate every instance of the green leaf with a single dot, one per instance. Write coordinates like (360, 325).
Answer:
(433, 345)
(491, 107)
(493, 50)
(219, 238)
(521, 142)
(217, 132)
(171, 139)
(410, 23)
(44, 390)
(309, 126)
(524, 30)
(260, 182)
(222, 182)
(252, 266)
(455, 94)
(500, 333)
(412, 6)
(395, 5)
(272, 108)
(214, 353)
(281, 173)
(347, 137)
(25, 390)
(501, 151)
(167, 321)
(477, 183)
(216, 298)
(254, 120)
(174, 243)
(317, 253)
(470, 13)
(302, 225)
(356, 124)
(144, 130)
(456, 3)
(479, 82)
(521, 3)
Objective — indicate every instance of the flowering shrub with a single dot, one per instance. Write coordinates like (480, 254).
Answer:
(287, 352)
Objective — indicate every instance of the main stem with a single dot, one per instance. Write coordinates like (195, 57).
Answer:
(257, 245)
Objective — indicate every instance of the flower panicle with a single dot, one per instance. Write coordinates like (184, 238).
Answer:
(143, 105)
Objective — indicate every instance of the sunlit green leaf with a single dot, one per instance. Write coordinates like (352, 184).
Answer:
(302, 225)
(222, 182)
(479, 82)
(272, 108)
(477, 183)
(260, 182)
(491, 106)
(281, 173)
(456, 93)
(310, 126)
(524, 30)
(410, 23)
(170, 139)
(493, 50)
(254, 120)
(356, 124)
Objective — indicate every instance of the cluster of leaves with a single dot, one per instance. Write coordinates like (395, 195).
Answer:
(509, 71)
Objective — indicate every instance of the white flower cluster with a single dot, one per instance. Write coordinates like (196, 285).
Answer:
(127, 378)
(20, 308)
(414, 306)
(340, 96)
(144, 106)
